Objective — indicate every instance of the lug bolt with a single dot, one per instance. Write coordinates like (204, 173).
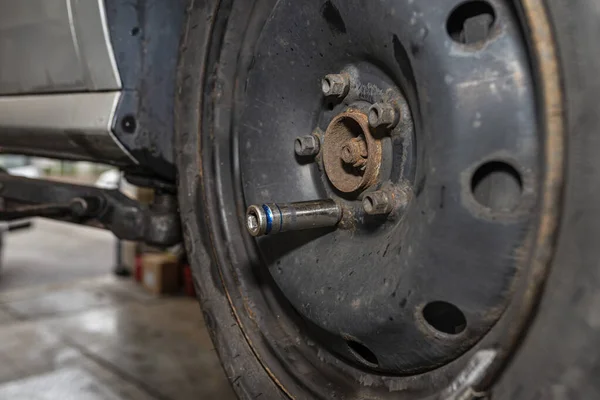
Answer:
(272, 218)
(377, 203)
(355, 153)
(383, 115)
(335, 85)
(307, 146)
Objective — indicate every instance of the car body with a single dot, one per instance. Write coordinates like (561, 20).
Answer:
(90, 80)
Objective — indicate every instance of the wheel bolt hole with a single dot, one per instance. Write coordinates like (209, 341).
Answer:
(444, 317)
(362, 353)
(471, 22)
(497, 186)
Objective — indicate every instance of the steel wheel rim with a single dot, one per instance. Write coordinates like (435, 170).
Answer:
(336, 362)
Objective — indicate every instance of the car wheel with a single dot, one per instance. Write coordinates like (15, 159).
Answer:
(463, 263)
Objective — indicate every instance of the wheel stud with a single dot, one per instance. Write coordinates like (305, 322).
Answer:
(383, 115)
(274, 218)
(377, 203)
(355, 153)
(307, 146)
(335, 85)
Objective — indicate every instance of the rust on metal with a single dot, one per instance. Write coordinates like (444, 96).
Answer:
(355, 152)
(346, 167)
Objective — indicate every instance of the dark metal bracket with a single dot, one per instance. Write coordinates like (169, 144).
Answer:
(157, 224)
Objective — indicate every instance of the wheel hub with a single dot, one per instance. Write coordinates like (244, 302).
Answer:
(351, 154)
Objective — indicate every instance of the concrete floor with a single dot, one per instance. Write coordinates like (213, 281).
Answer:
(85, 335)
(54, 252)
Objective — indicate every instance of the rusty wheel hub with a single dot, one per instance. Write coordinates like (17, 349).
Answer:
(351, 154)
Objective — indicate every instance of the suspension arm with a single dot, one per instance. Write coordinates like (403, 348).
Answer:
(157, 224)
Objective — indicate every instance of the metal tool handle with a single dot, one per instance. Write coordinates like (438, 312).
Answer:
(272, 218)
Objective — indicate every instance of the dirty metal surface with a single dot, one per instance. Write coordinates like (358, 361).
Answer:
(158, 224)
(145, 36)
(345, 128)
(343, 290)
(370, 283)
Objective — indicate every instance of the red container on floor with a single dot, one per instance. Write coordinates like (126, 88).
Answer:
(188, 281)
(139, 269)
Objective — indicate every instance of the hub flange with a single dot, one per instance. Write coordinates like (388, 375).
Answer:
(346, 132)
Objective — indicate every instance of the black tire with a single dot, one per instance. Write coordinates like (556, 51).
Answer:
(557, 358)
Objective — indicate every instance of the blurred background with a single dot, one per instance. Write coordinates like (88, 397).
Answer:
(47, 251)
(85, 316)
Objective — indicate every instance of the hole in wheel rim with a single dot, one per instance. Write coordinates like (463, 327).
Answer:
(471, 22)
(362, 353)
(497, 186)
(444, 317)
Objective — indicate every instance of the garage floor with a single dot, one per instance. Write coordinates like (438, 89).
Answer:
(97, 337)
(54, 252)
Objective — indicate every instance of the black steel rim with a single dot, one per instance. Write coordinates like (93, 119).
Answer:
(451, 319)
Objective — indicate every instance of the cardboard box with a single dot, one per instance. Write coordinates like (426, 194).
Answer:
(160, 273)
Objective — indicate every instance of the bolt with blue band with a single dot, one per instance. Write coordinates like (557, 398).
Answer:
(269, 214)
(274, 218)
